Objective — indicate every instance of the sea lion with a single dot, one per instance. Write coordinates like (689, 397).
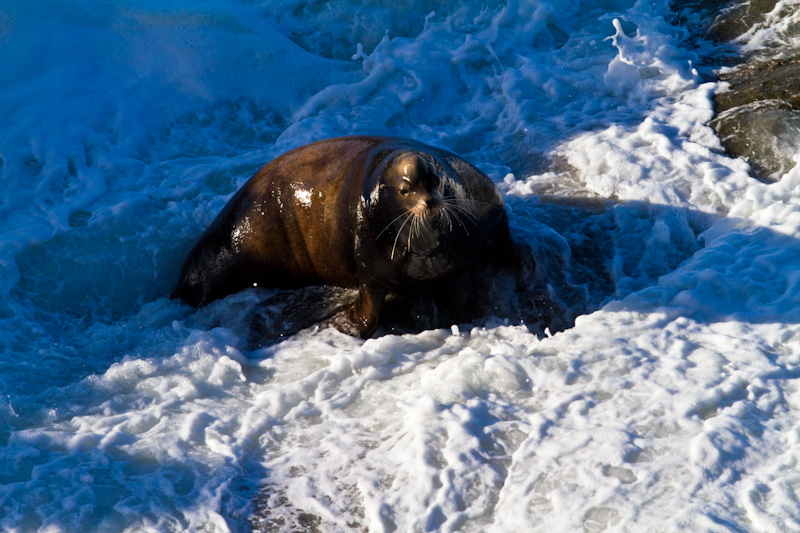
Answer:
(379, 214)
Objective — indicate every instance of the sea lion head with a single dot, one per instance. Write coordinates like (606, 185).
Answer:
(413, 185)
(422, 204)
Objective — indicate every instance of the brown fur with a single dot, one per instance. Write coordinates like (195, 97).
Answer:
(374, 213)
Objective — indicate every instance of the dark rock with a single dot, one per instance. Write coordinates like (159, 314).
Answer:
(765, 133)
(761, 79)
(736, 18)
(758, 110)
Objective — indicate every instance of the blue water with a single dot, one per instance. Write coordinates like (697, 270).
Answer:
(645, 374)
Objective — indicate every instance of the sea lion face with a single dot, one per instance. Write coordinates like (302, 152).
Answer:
(411, 196)
(415, 186)
(425, 215)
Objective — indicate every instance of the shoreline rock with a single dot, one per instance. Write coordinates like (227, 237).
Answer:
(757, 108)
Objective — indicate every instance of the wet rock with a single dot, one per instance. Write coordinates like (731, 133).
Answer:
(758, 108)
(758, 114)
(765, 133)
(761, 79)
(736, 18)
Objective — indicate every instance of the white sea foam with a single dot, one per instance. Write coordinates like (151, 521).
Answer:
(669, 404)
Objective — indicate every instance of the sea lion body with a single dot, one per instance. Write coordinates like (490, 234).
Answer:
(379, 214)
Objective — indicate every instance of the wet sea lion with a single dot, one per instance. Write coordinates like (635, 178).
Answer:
(380, 214)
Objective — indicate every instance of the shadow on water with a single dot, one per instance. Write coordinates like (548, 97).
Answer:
(95, 294)
(586, 253)
(83, 315)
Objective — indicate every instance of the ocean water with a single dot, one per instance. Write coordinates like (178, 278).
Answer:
(644, 377)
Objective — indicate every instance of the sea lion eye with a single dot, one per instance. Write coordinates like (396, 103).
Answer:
(404, 191)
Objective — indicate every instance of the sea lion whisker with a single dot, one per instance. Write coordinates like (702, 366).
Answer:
(426, 224)
(420, 224)
(399, 231)
(470, 200)
(450, 214)
(461, 222)
(389, 225)
(414, 220)
(457, 206)
(469, 216)
(454, 212)
(454, 200)
(456, 209)
(443, 219)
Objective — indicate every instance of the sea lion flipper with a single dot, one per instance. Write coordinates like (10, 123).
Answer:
(361, 317)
